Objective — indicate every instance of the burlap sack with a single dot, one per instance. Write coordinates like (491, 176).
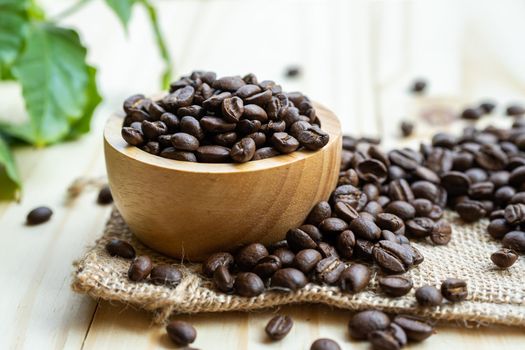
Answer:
(495, 296)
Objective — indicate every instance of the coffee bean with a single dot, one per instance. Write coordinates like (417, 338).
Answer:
(441, 232)
(181, 333)
(454, 289)
(491, 157)
(214, 261)
(214, 102)
(213, 154)
(250, 255)
(172, 153)
(327, 250)
(222, 279)
(471, 211)
(283, 142)
(298, 240)
(504, 258)
(418, 86)
(395, 285)
(399, 189)
(350, 195)
(319, 212)
(403, 210)
(152, 130)
(422, 206)
(152, 147)
(332, 226)
(328, 270)
(365, 322)
(365, 229)
(390, 222)
(232, 109)
(354, 278)
(184, 142)
(393, 338)
(372, 170)
(104, 196)
(487, 106)
(407, 128)
(180, 98)
(515, 240)
(38, 216)
(133, 102)
(312, 231)
(288, 279)
(306, 259)
(215, 124)
(345, 244)
(255, 112)
(232, 83)
(278, 327)
(248, 284)
(265, 152)
(420, 227)
(363, 249)
(472, 113)
(416, 329)
(285, 255)
(428, 296)
(455, 183)
(345, 211)
(313, 138)
(194, 111)
(166, 275)
(243, 151)
(267, 266)
(325, 344)
(498, 228)
(132, 136)
(123, 249)
(140, 268)
(515, 213)
(515, 110)
(392, 257)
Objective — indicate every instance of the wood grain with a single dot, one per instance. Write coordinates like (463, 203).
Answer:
(190, 210)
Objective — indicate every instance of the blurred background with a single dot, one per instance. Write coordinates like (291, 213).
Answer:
(356, 57)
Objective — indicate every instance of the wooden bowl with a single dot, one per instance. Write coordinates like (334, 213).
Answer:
(190, 210)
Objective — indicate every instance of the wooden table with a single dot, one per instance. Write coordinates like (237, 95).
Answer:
(39, 311)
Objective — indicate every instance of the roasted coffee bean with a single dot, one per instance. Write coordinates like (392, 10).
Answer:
(354, 278)
(140, 268)
(515, 110)
(392, 257)
(372, 170)
(403, 210)
(306, 259)
(498, 228)
(312, 231)
(441, 232)
(152, 130)
(407, 128)
(333, 226)
(285, 255)
(517, 177)
(246, 126)
(504, 195)
(518, 198)
(265, 152)
(395, 285)
(418, 86)
(232, 83)
(123, 249)
(390, 222)
(416, 329)
(471, 211)
(166, 275)
(422, 206)
(515, 240)
(288, 279)
(428, 296)
(133, 102)
(298, 240)
(278, 327)
(399, 189)
(180, 98)
(250, 255)
(487, 106)
(254, 112)
(132, 136)
(472, 113)
(243, 151)
(223, 279)
(328, 270)
(420, 227)
(283, 142)
(260, 99)
(152, 148)
(345, 244)
(172, 153)
(215, 124)
(425, 189)
(393, 338)
(365, 322)
(439, 161)
(192, 126)
(227, 139)
(185, 142)
(455, 183)
(232, 109)
(38, 216)
(194, 111)
(350, 195)
(327, 250)
(491, 157)
(363, 249)
(325, 344)
(267, 266)
(248, 284)
(214, 102)
(504, 258)
(403, 159)
(365, 229)
(313, 138)
(319, 212)
(216, 260)
(476, 175)
(181, 333)
(515, 213)
(454, 289)
(213, 154)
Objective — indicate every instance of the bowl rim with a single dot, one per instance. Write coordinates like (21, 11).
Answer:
(112, 138)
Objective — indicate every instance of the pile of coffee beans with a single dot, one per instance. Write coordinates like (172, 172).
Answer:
(220, 120)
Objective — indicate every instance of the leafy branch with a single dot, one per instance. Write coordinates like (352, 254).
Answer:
(58, 85)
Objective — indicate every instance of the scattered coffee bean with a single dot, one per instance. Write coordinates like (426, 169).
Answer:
(248, 284)
(395, 285)
(354, 278)
(418, 86)
(415, 328)
(278, 327)
(393, 338)
(140, 268)
(166, 275)
(504, 258)
(181, 333)
(515, 240)
(123, 249)
(104, 196)
(216, 260)
(454, 289)
(250, 255)
(407, 128)
(428, 296)
(288, 279)
(325, 344)
(365, 322)
(38, 216)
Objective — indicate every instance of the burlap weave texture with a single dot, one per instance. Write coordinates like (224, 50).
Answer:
(495, 296)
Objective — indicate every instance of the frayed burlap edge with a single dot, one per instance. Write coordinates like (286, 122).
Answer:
(495, 296)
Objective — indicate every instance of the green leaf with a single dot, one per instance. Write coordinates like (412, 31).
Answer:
(10, 183)
(54, 78)
(13, 29)
(83, 125)
(122, 9)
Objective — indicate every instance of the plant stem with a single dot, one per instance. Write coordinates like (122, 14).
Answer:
(161, 43)
(70, 10)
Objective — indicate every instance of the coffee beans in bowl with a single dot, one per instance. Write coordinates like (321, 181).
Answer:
(209, 119)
